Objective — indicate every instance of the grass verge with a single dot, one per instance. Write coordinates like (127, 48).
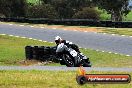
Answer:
(119, 31)
(51, 79)
(12, 51)
(104, 59)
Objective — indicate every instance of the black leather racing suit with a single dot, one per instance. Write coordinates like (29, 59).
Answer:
(71, 45)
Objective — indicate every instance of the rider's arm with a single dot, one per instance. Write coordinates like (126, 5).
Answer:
(66, 42)
(60, 49)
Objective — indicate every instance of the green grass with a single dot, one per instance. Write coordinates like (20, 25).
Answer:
(12, 51)
(104, 59)
(120, 31)
(51, 79)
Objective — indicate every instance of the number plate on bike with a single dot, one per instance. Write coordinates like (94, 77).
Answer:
(73, 53)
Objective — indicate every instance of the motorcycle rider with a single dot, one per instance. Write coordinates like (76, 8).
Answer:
(59, 40)
(66, 45)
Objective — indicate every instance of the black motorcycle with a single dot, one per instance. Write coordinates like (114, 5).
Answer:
(72, 58)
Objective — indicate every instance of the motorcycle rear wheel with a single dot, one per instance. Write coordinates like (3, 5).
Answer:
(68, 60)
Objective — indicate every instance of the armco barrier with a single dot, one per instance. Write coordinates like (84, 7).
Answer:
(71, 22)
(42, 53)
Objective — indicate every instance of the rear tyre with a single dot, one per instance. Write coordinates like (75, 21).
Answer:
(68, 60)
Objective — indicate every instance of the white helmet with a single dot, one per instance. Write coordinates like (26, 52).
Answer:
(58, 38)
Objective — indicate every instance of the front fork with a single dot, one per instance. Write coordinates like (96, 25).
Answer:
(81, 59)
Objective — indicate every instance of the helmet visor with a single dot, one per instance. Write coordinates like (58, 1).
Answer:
(57, 41)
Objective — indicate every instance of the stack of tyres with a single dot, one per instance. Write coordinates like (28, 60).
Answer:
(53, 50)
(47, 50)
(41, 53)
(53, 54)
(35, 52)
(29, 52)
(46, 56)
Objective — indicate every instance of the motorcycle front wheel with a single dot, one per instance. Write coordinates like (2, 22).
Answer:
(86, 63)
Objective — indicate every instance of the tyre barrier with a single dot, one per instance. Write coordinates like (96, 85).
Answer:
(70, 22)
(42, 53)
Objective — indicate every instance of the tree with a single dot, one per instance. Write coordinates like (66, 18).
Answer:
(13, 8)
(87, 13)
(5, 7)
(117, 8)
(42, 11)
(18, 7)
(67, 8)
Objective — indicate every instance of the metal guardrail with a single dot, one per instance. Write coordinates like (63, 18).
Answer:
(71, 22)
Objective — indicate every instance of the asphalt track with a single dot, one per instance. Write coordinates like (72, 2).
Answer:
(96, 41)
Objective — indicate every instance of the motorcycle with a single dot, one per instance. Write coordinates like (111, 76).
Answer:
(72, 58)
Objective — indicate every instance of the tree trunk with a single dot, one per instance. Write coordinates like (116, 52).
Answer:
(116, 16)
(112, 16)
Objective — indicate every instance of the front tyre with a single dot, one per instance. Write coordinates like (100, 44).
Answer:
(86, 63)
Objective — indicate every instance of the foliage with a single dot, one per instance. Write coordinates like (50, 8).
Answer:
(42, 11)
(33, 1)
(67, 8)
(117, 8)
(64, 9)
(13, 8)
(87, 13)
